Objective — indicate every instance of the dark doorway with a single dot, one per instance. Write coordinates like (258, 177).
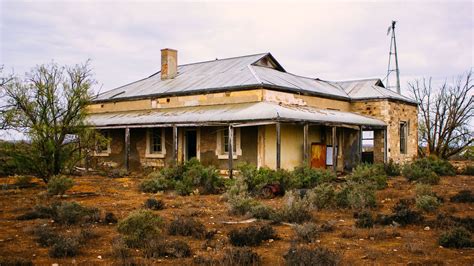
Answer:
(191, 144)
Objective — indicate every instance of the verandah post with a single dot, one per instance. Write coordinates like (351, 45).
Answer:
(334, 152)
(278, 145)
(127, 148)
(231, 150)
(175, 145)
(305, 143)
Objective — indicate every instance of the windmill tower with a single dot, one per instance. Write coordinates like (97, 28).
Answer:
(393, 54)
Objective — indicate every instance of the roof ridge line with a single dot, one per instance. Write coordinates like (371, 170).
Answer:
(254, 74)
(228, 58)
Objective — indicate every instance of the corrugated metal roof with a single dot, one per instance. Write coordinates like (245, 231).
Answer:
(370, 89)
(245, 71)
(231, 113)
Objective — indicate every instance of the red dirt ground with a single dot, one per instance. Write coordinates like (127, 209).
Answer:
(121, 196)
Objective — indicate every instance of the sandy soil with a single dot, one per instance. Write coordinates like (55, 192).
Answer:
(121, 196)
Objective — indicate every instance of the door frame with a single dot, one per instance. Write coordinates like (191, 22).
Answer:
(198, 143)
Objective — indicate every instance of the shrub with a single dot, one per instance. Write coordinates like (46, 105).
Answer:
(64, 247)
(364, 220)
(361, 196)
(39, 212)
(402, 214)
(251, 236)
(174, 249)
(240, 256)
(184, 187)
(423, 190)
(45, 235)
(23, 181)
(58, 185)
(392, 168)
(241, 205)
(311, 256)
(155, 184)
(110, 218)
(295, 210)
(154, 204)
(306, 232)
(206, 178)
(427, 203)
(15, 261)
(256, 179)
(86, 234)
(469, 170)
(187, 226)
(307, 177)
(463, 196)
(118, 173)
(372, 173)
(414, 172)
(456, 238)
(120, 249)
(321, 196)
(341, 197)
(448, 221)
(261, 211)
(139, 226)
(73, 213)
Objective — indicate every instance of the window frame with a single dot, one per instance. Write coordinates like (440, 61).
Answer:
(106, 152)
(149, 140)
(403, 137)
(220, 150)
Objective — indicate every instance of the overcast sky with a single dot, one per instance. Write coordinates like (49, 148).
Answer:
(332, 41)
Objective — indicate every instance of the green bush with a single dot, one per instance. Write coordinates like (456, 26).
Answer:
(239, 256)
(306, 232)
(58, 185)
(23, 180)
(118, 173)
(415, 172)
(469, 170)
(73, 213)
(392, 169)
(256, 179)
(187, 226)
(261, 211)
(251, 236)
(45, 235)
(321, 196)
(361, 196)
(241, 205)
(205, 178)
(64, 247)
(311, 256)
(364, 220)
(463, 196)
(295, 210)
(15, 158)
(139, 226)
(174, 249)
(307, 177)
(369, 173)
(423, 190)
(154, 204)
(427, 203)
(456, 238)
(155, 182)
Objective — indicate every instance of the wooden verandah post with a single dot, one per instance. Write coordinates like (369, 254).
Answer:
(305, 143)
(231, 151)
(127, 148)
(175, 144)
(334, 152)
(278, 145)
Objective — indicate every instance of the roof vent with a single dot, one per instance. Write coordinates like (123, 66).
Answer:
(169, 63)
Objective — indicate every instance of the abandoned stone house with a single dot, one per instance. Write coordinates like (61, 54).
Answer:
(249, 109)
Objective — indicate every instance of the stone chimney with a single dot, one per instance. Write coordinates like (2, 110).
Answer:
(169, 63)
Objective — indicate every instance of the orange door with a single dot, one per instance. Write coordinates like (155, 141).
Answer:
(318, 155)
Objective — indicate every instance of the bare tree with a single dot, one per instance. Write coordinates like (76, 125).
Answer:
(49, 106)
(444, 115)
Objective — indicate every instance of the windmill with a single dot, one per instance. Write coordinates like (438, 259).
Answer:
(393, 53)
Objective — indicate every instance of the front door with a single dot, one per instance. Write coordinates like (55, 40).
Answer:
(191, 144)
(318, 155)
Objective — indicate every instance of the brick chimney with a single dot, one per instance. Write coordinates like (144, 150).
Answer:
(169, 63)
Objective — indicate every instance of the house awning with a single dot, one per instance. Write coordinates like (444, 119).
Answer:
(239, 114)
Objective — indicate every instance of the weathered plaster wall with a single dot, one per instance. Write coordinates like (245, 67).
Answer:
(393, 113)
(318, 102)
(291, 144)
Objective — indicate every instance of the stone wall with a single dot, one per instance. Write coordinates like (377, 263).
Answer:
(392, 113)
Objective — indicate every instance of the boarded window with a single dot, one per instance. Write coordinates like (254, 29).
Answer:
(403, 137)
(155, 140)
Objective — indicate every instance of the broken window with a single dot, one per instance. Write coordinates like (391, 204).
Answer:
(403, 137)
(102, 144)
(367, 140)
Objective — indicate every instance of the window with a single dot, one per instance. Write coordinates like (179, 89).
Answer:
(226, 141)
(222, 150)
(155, 143)
(102, 144)
(403, 137)
(367, 140)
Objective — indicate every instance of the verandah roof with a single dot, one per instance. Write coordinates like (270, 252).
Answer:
(230, 113)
